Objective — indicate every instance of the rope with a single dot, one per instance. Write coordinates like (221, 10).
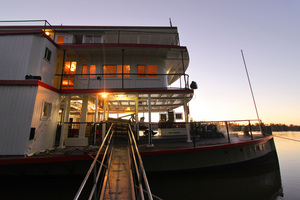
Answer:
(287, 138)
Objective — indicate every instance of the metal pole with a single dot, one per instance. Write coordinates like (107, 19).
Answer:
(251, 91)
(96, 119)
(227, 132)
(250, 129)
(123, 50)
(185, 85)
(150, 128)
(62, 70)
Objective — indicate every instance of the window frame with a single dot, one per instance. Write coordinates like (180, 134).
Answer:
(48, 54)
(46, 110)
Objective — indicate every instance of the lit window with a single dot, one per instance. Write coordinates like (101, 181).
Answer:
(60, 39)
(69, 74)
(142, 71)
(92, 71)
(126, 71)
(47, 55)
(84, 71)
(152, 71)
(109, 70)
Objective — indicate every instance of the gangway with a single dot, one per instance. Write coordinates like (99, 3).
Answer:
(120, 174)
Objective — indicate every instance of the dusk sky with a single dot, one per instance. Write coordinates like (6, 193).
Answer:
(214, 31)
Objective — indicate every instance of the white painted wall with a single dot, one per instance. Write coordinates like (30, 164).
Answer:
(16, 106)
(14, 56)
(22, 55)
(45, 128)
(38, 65)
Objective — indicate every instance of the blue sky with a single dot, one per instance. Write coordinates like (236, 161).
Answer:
(214, 32)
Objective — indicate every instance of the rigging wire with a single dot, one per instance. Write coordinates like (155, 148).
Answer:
(287, 138)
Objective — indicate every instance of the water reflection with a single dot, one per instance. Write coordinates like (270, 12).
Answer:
(256, 182)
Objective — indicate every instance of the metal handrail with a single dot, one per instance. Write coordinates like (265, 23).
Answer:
(102, 77)
(109, 134)
(136, 155)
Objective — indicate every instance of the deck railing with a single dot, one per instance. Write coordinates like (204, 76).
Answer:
(93, 168)
(226, 131)
(119, 81)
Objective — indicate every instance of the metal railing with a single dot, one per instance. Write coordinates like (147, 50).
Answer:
(226, 131)
(94, 193)
(119, 80)
(139, 173)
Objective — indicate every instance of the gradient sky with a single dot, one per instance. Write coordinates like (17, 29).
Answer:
(214, 32)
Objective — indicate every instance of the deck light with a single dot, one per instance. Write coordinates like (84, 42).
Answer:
(104, 95)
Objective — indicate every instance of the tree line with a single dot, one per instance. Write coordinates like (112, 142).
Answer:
(274, 127)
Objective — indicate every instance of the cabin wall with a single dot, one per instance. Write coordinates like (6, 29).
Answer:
(45, 125)
(38, 65)
(14, 56)
(16, 105)
(22, 55)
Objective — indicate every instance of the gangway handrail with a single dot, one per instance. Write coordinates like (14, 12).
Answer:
(93, 165)
(134, 152)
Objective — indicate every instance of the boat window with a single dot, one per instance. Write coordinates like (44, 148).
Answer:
(152, 71)
(46, 112)
(92, 71)
(126, 71)
(109, 70)
(84, 71)
(47, 55)
(69, 74)
(142, 70)
(60, 39)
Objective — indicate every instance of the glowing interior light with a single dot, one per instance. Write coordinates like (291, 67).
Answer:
(104, 95)
(47, 33)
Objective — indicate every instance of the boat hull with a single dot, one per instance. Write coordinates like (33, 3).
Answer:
(209, 157)
(172, 160)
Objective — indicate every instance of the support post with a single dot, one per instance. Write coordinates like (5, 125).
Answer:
(96, 119)
(137, 118)
(104, 119)
(227, 128)
(123, 51)
(250, 129)
(84, 109)
(150, 126)
(186, 116)
(62, 70)
(65, 127)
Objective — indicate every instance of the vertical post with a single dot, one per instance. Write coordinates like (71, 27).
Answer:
(83, 116)
(186, 116)
(65, 118)
(137, 118)
(150, 126)
(96, 119)
(250, 129)
(123, 51)
(62, 70)
(185, 84)
(104, 119)
(227, 128)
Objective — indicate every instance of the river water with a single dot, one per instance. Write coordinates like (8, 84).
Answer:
(274, 180)
(271, 181)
